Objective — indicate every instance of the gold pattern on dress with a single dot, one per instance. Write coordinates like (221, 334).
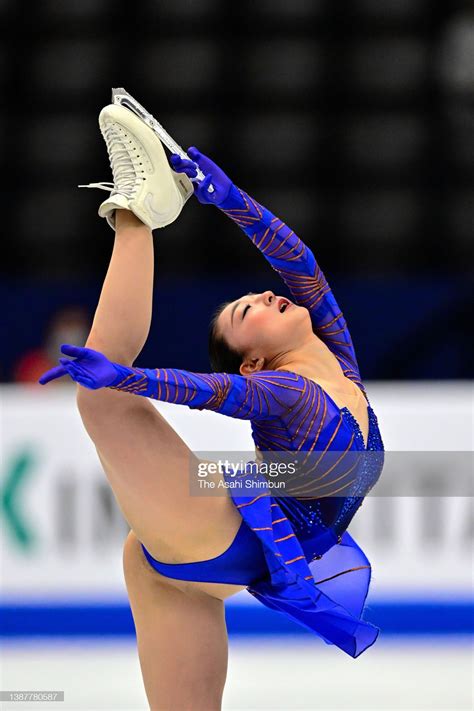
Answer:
(285, 538)
(311, 485)
(293, 560)
(249, 503)
(343, 572)
(263, 528)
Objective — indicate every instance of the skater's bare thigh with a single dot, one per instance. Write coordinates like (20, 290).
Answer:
(149, 467)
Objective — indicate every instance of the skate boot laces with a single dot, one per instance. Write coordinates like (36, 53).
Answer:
(125, 167)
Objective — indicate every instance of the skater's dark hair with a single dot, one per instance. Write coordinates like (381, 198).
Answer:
(222, 357)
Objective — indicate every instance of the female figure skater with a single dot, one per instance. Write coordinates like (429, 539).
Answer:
(287, 366)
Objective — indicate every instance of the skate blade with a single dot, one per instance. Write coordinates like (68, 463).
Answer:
(123, 98)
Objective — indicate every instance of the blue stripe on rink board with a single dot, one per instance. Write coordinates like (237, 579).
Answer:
(93, 620)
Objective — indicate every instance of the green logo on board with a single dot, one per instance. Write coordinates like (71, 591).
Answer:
(19, 468)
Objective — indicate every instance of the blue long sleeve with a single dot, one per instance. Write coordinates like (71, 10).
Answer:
(298, 268)
(262, 395)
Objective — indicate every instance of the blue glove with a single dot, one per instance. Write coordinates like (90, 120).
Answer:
(90, 368)
(220, 182)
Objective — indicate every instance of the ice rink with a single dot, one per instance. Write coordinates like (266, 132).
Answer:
(281, 673)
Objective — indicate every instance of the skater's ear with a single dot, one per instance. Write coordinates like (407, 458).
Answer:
(252, 365)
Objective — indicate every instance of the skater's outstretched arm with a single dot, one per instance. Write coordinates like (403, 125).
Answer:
(262, 395)
(283, 249)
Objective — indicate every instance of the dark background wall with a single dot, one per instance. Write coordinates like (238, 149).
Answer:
(353, 122)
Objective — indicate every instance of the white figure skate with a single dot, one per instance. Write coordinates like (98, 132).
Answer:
(143, 180)
(121, 97)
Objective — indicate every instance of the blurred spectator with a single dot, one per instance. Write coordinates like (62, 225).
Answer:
(70, 324)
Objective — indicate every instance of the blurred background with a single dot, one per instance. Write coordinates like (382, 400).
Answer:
(354, 123)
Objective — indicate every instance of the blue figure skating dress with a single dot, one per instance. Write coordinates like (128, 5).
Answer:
(306, 565)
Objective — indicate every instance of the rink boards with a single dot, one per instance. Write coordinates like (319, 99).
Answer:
(62, 532)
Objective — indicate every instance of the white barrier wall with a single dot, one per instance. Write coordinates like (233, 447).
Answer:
(62, 533)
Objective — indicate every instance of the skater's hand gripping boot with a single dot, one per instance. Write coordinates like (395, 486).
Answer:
(220, 181)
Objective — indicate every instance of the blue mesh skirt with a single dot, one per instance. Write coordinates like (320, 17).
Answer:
(316, 576)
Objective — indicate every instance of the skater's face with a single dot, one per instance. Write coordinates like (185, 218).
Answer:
(260, 326)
